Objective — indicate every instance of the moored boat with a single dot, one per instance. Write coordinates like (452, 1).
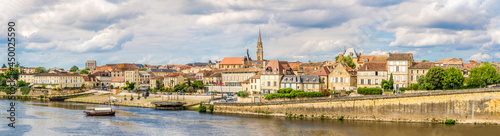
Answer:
(100, 112)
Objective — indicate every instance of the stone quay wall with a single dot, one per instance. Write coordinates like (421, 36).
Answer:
(465, 106)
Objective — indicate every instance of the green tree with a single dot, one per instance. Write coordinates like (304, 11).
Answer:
(453, 78)
(40, 70)
(348, 60)
(131, 85)
(435, 77)
(4, 66)
(425, 61)
(3, 81)
(484, 74)
(337, 58)
(189, 81)
(17, 64)
(111, 86)
(84, 72)
(73, 69)
(391, 82)
(12, 73)
(143, 69)
(22, 83)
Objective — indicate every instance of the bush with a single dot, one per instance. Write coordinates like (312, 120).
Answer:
(414, 86)
(42, 96)
(366, 90)
(293, 94)
(402, 89)
(449, 121)
(211, 108)
(285, 90)
(325, 92)
(340, 118)
(242, 94)
(25, 90)
(202, 108)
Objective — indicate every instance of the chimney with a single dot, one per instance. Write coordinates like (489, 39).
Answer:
(460, 59)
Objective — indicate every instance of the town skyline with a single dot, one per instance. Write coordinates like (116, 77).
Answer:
(293, 31)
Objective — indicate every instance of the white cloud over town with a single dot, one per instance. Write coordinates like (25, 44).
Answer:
(180, 32)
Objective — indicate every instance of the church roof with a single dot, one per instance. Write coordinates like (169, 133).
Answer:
(232, 60)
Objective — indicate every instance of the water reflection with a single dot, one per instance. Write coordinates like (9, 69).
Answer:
(61, 118)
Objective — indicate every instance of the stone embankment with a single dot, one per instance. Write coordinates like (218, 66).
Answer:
(465, 106)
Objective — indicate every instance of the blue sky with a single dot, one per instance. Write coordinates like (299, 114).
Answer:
(66, 33)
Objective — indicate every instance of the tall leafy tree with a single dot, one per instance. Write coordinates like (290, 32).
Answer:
(12, 73)
(40, 70)
(348, 60)
(4, 66)
(391, 82)
(484, 74)
(435, 77)
(73, 69)
(452, 78)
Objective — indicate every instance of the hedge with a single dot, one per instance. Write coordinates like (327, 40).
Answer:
(366, 90)
(294, 94)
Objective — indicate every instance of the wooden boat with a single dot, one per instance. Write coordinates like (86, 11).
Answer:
(100, 112)
(56, 98)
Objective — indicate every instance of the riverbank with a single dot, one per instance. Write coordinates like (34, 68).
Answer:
(464, 106)
(142, 102)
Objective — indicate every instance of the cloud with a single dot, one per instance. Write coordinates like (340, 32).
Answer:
(497, 55)
(480, 57)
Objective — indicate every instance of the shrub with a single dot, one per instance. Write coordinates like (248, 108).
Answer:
(25, 90)
(340, 118)
(211, 108)
(366, 90)
(242, 94)
(402, 89)
(202, 108)
(449, 121)
(42, 96)
(325, 92)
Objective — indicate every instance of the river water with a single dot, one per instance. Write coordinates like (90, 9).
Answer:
(64, 118)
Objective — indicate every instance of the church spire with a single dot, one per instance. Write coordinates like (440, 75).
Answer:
(260, 50)
(260, 39)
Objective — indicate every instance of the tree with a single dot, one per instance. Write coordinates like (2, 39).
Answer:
(337, 58)
(22, 83)
(131, 85)
(391, 82)
(348, 60)
(143, 69)
(4, 66)
(12, 73)
(435, 77)
(189, 81)
(17, 64)
(484, 74)
(73, 69)
(414, 86)
(111, 86)
(40, 70)
(3, 81)
(453, 78)
(425, 61)
(84, 72)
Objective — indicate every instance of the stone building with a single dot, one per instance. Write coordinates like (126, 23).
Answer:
(91, 64)
(53, 80)
(397, 65)
(342, 77)
(271, 75)
(419, 69)
(234, 77)
(371, 74)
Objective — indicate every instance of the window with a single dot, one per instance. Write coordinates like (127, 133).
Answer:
(274, 83)
(404, 62)
(397, 78)
(417, 71)
(284, 86)
(342, 80)
(412, 71)
(390, 62)
(369, 81)
(313, 86)
(290, 85)
(307, 86)
(331, 80)
(268, 83)
(403, 68)
(403, 78)
(347, 80)
(376, 73)
(397, 62)
(376, 81)
(397, 68)
(362, 81)
(392, 70)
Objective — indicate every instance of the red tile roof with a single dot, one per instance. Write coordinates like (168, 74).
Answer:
(232, 60)
(323, 71)
(450, 61)
(400, 56)
(118, 79)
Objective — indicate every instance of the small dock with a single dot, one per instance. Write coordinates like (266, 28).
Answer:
(169, 105)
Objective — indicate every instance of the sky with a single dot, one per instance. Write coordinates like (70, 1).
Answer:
(51, 33)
